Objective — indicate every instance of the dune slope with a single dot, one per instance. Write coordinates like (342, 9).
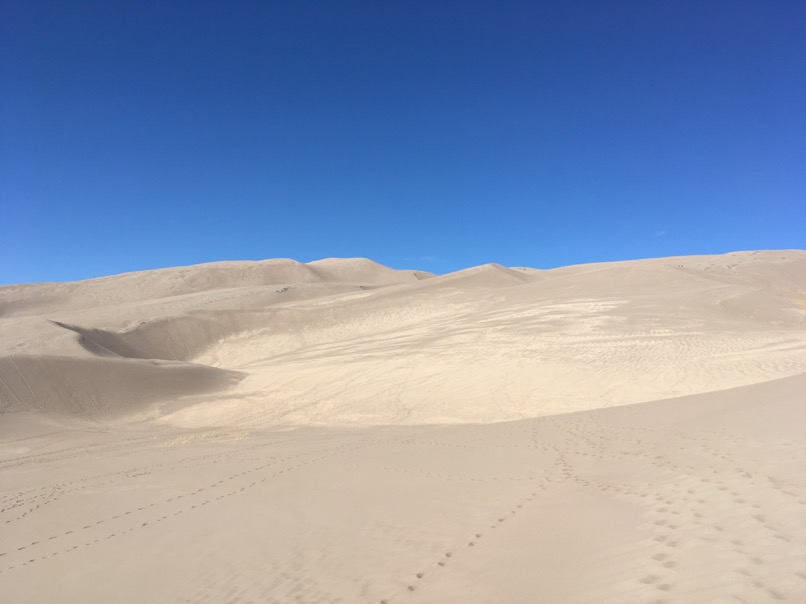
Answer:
(696, 499)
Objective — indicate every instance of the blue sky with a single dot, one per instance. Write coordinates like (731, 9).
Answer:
(433, 135)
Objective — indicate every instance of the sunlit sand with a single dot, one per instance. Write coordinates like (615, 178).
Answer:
(340, 431)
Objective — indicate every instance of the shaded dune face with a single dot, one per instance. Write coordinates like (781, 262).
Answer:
(101, 387)
(349, 341)
(175, 339)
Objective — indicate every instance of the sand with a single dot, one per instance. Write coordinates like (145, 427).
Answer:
(340, 431)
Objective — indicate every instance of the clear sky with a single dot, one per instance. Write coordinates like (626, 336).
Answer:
(433, 135)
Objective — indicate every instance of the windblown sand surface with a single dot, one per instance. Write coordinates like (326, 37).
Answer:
(339, 431)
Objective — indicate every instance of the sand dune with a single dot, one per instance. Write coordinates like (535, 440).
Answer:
(341, 431)
(39, 298)
(349, 341)
(167, 315)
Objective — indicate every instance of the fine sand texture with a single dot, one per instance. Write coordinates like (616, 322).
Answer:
(340, 431)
